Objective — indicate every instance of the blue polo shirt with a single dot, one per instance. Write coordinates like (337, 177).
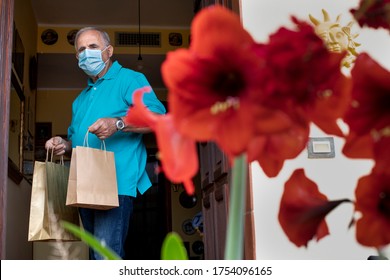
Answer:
(111, 96)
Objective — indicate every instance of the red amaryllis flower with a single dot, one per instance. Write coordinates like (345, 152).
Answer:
(302, 77)
(177, 153)
(214, 87)
(373, 202)
(370, 105)
(373, 13)
(303, 210)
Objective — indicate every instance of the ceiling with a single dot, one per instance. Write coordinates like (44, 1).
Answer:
(177, 13)
(61, 71)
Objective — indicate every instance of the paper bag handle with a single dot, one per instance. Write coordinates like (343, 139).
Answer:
(85, 144)
(52, 155)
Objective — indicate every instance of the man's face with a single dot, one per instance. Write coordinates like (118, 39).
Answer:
(92, 40)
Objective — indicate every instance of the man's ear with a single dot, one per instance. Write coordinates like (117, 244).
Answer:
(110, 50)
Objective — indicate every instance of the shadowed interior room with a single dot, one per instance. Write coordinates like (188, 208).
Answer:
(46, 80)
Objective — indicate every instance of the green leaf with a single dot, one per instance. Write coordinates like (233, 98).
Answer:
(91, 241)
(173, 248)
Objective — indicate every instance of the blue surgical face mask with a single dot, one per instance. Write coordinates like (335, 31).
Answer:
(91, 62)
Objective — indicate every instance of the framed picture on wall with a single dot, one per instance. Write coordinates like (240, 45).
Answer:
(49, 37)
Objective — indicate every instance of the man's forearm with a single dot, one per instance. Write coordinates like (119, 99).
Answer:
(141, 130)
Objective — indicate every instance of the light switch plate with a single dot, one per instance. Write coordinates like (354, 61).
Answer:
(320, 147)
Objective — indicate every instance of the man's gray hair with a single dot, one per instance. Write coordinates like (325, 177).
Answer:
(105, 37)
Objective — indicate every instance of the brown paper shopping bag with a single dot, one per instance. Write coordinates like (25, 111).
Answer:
(92, 179)
(48, 196)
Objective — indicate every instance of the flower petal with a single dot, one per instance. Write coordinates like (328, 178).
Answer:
(382, 155)
(375, 14)
(303, 210)
(217, 26)
(278, 147)
(177, 153)
(138, 115)
(214, 90)
(373, 201)
(370, 107)
(358, 146)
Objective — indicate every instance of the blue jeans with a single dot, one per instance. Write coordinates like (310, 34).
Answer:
(109, 226)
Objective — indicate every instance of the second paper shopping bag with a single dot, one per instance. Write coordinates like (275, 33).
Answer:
(92, 179)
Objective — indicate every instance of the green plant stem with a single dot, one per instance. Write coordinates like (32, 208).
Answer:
(234, 248)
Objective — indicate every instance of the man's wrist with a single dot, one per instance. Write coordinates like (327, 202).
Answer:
(119, 124)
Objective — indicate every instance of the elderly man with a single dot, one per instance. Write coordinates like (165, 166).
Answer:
(100, 108)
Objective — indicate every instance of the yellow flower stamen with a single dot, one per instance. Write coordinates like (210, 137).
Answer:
(355, 104)
(377, 135)
(230, 102)
(386, 131)
(326, 93)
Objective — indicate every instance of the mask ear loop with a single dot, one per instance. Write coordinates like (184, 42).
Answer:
(106, 48)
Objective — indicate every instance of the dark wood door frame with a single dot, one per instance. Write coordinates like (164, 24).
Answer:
(6, 27)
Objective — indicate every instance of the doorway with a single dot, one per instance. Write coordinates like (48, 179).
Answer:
(151, 219)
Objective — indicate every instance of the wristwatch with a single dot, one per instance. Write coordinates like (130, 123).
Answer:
(119, 124)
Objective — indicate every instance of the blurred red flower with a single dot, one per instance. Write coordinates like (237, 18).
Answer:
(373, 202)
(303, 209)
(373, 13)
(368, 116)
(177, 153)
(293, 78)
(294, 83)
(370, 106)
(214, 86)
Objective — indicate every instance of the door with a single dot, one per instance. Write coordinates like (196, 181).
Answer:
(215, 178)
(6, 19)
(151, 219)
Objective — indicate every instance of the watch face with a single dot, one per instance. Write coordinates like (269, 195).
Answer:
(120, 124)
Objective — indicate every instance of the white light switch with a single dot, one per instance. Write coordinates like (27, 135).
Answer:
(321, 147)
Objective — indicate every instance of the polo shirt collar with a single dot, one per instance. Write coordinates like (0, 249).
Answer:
(111, 73)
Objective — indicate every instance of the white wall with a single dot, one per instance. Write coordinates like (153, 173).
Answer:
(335, 177)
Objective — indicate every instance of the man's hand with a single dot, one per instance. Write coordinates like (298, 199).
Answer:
(58, 145)
(103, 128)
